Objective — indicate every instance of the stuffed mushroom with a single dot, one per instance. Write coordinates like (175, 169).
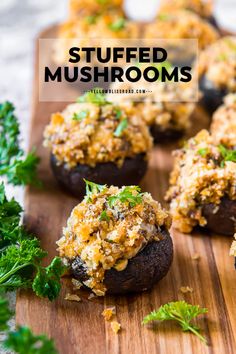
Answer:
(166, 109)
(182, 24)
(202, 191)
(93, 8)
(216, 69)
(97, 140)
(88, 29)
(203, 8)
(223, 127)
(117, 241)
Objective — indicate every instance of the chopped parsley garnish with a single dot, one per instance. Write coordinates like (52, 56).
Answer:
(121, 127)
(203, 152)
(81, 115)
(118, 25)
(227, 154)
(92, 188)
(96, 96)
(21, 255)
(181, 312)
(18, 168)
(23, 341)
(104, 216)
(131, 195)
(118, 112)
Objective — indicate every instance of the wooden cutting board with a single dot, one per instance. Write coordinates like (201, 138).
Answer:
(78, 327)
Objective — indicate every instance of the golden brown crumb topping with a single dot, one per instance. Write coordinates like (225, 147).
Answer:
(182, 24)
(109, 227)
(80, 33)
(93, 7)
(90, 133)
(223, 127)
(168, 105)
(218, 63)
(204, 172)
(203, 8)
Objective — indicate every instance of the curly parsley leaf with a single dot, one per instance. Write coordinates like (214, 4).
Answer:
(131, 195)
(181, 312)
(5, 314)
(96, 96)
(19, 169)
(21, 255)
(227, 154)
(47, 280)
(23, 341)
(121, 127)
(93, 188)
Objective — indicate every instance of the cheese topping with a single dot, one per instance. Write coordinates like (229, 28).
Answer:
(182, 24)
(110, 227)
(88, 133)
(218, 63)
(200, 176)
(223, 126)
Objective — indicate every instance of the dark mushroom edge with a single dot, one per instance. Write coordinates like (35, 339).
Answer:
(72, 180)
(143, 271)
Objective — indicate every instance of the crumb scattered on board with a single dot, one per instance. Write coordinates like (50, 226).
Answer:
(108, 313)
(186, 289)
(195, 256)
(72, 297)
(115, 326)
(77, 284)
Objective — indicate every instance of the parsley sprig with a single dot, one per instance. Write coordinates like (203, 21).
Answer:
(18, 168)
(131, 195)
(96, 96)
(181, 312)
(22, 340)
(93, 188)
(21, 255)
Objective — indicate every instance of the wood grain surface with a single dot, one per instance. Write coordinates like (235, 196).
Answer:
(78, 327)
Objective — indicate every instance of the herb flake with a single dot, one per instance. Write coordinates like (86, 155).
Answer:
(96, 96)
(121, 127)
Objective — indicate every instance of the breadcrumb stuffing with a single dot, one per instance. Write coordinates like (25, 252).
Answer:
(218, 63)
(223, 127)
(182, 24)
(200, 176)
(115, 326)
(105, 231)
(203, 8)
(108, 313)
(84, 133)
